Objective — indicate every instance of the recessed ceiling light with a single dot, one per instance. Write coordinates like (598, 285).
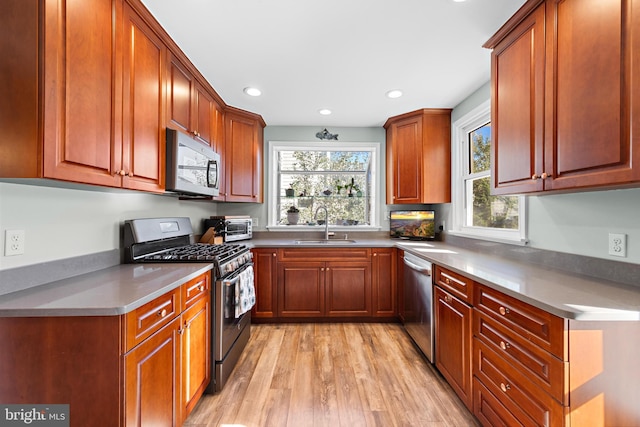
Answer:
(395, 93)
(459, 1)
(252, 91)
(324, 112)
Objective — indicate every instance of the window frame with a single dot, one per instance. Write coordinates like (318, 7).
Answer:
(273, 191)
(472, 120)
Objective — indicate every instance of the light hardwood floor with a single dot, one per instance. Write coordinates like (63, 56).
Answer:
(342, 374)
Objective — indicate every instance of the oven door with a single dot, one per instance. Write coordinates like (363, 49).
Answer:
(227, 324)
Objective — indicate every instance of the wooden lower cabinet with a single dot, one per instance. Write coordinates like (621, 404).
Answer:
(148, 367)
(299, 283)
(152, 379)
(453, 337)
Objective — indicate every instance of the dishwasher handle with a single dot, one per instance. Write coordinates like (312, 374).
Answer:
(425, 268)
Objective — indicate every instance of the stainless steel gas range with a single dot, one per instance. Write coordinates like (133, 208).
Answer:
(158, 240)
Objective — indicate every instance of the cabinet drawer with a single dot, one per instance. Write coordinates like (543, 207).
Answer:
(529, 404)
(542, 368)
(460, 286)
(149, 318)
(488, 409)
(194, 289)
(324, 254)
(535, 325)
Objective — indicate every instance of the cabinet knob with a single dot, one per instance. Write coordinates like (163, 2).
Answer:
(130, 174)
(375, 254)
(503, 311)
(447, 298)
(545, 175)
(447, 281)
(273, 254)
(180, 331)
(504, 345)
(162, 313)
(322, 269)
(535, 176)
(201, 288)
(122, 172)
(504, 387)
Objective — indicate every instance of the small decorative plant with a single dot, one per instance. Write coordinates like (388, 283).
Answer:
(293, 215)
(293, 209)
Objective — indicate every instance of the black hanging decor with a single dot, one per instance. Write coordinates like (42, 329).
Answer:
(326, 135)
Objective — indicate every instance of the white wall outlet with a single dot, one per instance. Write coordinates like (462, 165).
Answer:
(618, 244)
(13, 242)
(255, 222)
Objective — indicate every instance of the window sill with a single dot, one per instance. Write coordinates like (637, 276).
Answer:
(338, 228)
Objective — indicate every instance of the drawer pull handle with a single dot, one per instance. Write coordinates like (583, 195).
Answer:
(201, 288)
(504, 345)
(447, 298)
(447, 281)
(503, 311)
(505, 387)
(162, 313)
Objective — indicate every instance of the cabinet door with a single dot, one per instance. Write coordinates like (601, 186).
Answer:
(265, 283)
(243, 158)
(301, 289)
(589, 80)
(196, 353)
(517, 108)
(453, 343)
(348, 289)
(79, 69)
(152, 379)
(143, 97)
(204, 109)
(404, 161)
(180, 92)
(383, 281)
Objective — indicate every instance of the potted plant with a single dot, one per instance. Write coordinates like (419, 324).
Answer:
(290, 192)
(293, 215)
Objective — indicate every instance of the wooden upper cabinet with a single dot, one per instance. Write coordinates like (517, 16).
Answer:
(419, 157)
(517, 114)
(242, 159)
(562, 97)
(143, 135)
(99, 113)
(192, 107)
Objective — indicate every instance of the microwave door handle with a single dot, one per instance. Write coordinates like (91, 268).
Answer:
(212, 183)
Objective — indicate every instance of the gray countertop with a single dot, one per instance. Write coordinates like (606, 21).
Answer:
(564, 294)
(111, 291)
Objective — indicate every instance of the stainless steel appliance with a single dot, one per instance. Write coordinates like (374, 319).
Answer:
(192, 167)
(231, 228)
(418, 303)
(153, 240)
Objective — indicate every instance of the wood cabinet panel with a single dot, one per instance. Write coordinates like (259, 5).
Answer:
(180, 92)
(335, 254)
(489, 410)
(419, 157)
(195, 289)
(538, 326)
(517, 107)
(266, 278)
(384, 282)
(453, 337)
(243, 157)
(348, 289)
(143, 136)
(524, 400)
(456, 284)
(152, 379)
(196, 352)
(400, 281)
(543, 369)
(301, 289)
(145, 320)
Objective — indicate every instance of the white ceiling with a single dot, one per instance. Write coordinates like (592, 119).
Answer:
(344, 55)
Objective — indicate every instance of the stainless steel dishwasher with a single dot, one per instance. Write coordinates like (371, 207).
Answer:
(418, 303)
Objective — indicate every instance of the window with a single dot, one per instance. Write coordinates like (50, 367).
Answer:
(476, 212)
(341, 177)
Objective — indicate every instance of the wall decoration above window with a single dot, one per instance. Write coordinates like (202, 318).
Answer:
(324, 134)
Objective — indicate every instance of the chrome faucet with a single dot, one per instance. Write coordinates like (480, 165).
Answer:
(326, 220)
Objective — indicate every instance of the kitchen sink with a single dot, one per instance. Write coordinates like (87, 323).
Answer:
(325, 242)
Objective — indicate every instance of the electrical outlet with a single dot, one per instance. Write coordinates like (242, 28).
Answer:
(255, 222)
(618, 244)
(13, 242)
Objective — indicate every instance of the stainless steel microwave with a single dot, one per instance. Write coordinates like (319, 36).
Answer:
(193, 168)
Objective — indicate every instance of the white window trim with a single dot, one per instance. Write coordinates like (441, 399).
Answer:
(460, 128)
(272, 208)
